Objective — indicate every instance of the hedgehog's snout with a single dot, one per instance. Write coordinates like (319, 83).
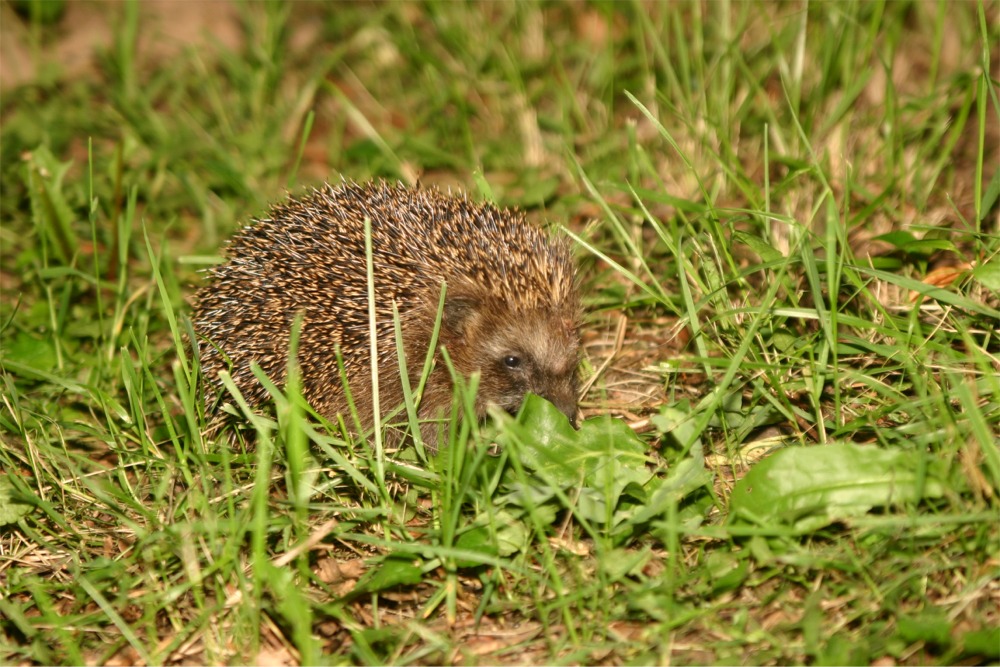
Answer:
(532, 375)
(566, 403)
(560, 389)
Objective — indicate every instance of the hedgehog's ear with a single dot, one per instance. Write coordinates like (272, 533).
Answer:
(459, 312)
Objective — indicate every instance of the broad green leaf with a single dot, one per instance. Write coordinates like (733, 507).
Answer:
(809, 487)
(37, 353)
(391, 572)
(604, 450)
(899, 238)
(684, 478)
(782, 339)
(764, 250)
(726, 569)
(907, 242)
(602, 462)
(512, 534)
(931, 626)
(929, 246)
(990, 195)
(618, 564)
(886, 263)
(988, 273)
(982, 642)
(476, 540)
(11, 507)
(676, 422)
(930, 291)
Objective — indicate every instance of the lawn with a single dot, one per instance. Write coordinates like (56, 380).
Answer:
(786, 222)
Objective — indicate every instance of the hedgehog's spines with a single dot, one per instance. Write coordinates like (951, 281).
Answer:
(307, 255)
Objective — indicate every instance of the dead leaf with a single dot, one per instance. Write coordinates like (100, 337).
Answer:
(943, 277)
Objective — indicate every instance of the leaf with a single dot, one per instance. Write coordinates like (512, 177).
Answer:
(943, 276)
(936, 293)
(392, 572)
(885, 263)
(476, 540)
(927, 246)
(908, 243)
(990, 195)
(982, 642)
(12, 506)
(39, 354)
(676, 422)
(782, 339)
(931, 626)
(620, 563)
(764, 250)
(898, 238)
(809, 487)
(604, 450)
(988, 273)
(512, 534)
(685, 477)
(727, 570)
(603, 461)
(605, 464)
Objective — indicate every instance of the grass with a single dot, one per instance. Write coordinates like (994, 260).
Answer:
(787, 227)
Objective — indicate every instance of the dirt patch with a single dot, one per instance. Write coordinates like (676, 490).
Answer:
(68, 47)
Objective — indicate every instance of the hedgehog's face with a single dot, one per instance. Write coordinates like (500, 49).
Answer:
(519, 353)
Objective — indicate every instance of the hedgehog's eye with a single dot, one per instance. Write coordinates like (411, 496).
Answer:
(511, 361)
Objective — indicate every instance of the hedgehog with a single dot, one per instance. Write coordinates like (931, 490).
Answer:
(510, 310)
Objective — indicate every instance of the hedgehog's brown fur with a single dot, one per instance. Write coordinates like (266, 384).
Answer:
(510, 301)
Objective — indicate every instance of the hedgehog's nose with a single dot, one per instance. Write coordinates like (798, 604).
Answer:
(566, 404)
